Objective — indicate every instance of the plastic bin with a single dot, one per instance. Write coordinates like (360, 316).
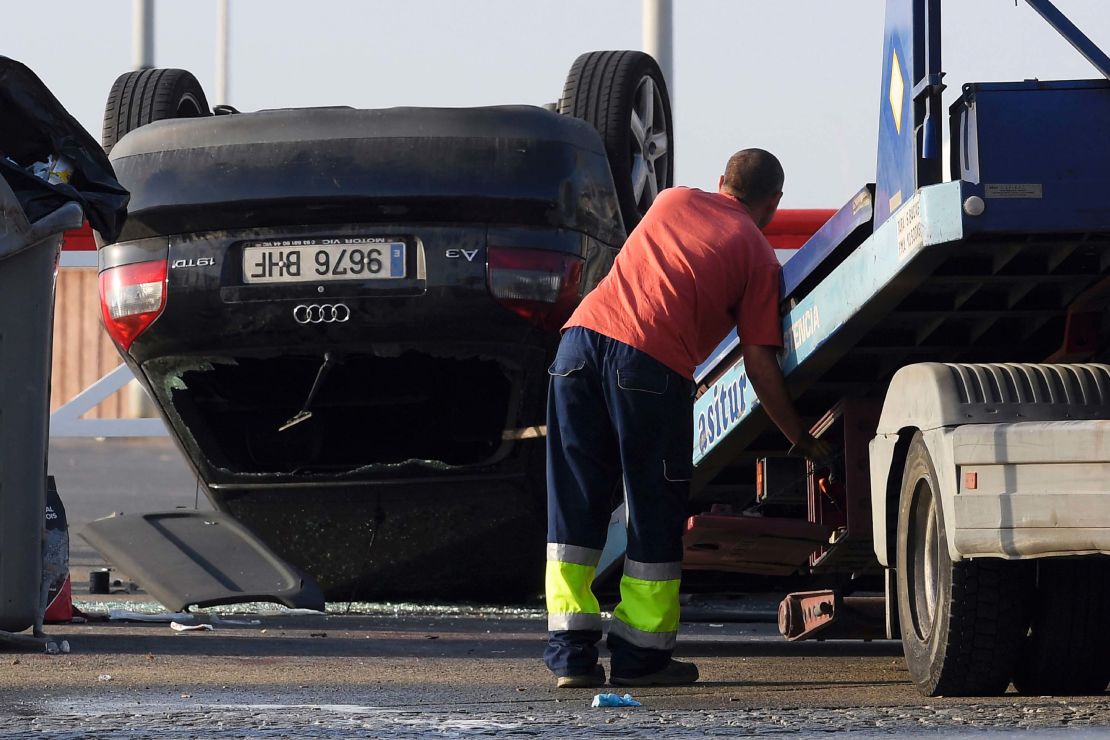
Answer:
(28, 264)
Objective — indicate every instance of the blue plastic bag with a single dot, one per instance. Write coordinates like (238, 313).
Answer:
(613, 700)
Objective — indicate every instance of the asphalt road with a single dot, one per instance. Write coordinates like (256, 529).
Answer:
(421, 676)
(418, 671)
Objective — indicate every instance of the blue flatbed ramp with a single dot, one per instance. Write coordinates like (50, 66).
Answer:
(983, 268)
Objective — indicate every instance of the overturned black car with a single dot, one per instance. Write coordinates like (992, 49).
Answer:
(345, 316)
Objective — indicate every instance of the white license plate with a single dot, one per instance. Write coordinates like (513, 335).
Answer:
(322, 260)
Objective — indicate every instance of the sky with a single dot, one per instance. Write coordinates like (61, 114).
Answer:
(797, 77)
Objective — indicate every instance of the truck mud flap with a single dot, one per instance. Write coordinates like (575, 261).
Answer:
(199, 558)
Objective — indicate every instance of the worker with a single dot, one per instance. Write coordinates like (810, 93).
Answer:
(620, 412)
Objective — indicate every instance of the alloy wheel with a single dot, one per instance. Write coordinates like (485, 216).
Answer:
(650, 131)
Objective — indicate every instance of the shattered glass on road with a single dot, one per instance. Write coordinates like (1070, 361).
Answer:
(420, 672)
(141, 719)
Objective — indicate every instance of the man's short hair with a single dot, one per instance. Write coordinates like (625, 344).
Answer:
(753, 175)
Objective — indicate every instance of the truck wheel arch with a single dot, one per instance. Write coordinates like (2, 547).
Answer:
(888, 461)
(886, 476)
(937, 398)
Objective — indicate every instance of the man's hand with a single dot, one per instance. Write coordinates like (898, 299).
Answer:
(765, 375)
(815, 450)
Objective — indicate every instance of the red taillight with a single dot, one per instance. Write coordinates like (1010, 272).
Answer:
(131, 298)
(538, 285)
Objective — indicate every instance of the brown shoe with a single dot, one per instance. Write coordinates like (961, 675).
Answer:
(675, 673)
(589, 680)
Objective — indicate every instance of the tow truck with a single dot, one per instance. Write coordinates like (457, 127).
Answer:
(950, 336)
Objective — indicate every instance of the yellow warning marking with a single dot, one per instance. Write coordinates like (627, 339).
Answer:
(897, 90)
(895, 201)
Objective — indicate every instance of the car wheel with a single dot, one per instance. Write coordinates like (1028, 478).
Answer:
(624, 96)
(962, 623)
(1068, 646)
(139, 98)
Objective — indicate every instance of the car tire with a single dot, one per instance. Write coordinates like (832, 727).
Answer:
(148, 95)
(962, 623)
(1068, 648)
(624, 96)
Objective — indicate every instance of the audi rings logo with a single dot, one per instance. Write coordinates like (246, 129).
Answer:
(321, 313)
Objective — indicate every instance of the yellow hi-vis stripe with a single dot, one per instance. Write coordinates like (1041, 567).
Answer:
(568, 588)
(649, 606)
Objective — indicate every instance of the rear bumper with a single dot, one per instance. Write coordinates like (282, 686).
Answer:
(476, 536)
(1032, 489)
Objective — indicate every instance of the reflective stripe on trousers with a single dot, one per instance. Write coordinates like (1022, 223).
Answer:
(571, 604)
(648, 613)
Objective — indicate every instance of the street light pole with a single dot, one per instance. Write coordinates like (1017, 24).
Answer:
(658, 36)
(142, 34)
(223, 26)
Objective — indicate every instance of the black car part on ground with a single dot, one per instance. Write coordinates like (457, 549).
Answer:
(35, 127)
(200, 558)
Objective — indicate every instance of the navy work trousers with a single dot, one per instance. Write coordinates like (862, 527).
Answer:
(615, 416)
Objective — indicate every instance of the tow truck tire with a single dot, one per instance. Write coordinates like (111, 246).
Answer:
(624, 96)
(148, 95)
(962, 623)
(1068, 648)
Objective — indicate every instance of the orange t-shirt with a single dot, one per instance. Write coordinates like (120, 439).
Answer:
(696, 266)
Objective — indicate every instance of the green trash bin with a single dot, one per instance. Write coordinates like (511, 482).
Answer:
(28, 266)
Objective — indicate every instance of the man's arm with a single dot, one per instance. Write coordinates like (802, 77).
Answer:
(762, 366)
